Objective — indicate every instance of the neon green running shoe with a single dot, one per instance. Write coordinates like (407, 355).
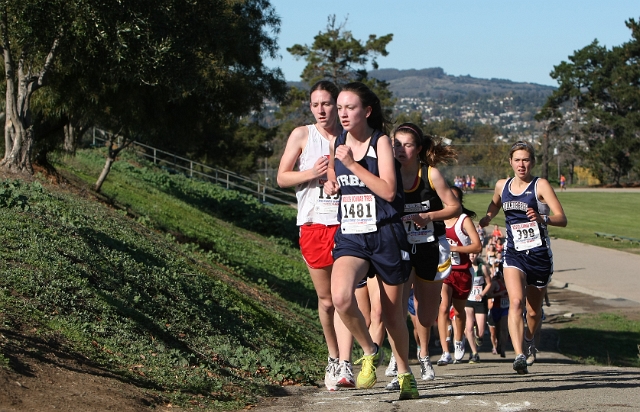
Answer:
(367, 376)
(408, 386)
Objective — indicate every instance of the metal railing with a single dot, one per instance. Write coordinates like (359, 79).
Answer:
(220, 176)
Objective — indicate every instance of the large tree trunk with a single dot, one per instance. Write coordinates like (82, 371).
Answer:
(20, 85)
(73, 131)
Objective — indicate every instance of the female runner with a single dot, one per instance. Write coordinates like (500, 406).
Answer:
(428, 202)
(530, 205)
(371, 239)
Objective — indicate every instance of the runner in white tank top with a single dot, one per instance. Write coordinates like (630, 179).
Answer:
(308, 149)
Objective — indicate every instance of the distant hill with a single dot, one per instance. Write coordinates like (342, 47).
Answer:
(434, 82)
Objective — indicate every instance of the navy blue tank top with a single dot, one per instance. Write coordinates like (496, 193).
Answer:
(350, 184)
(515, 212)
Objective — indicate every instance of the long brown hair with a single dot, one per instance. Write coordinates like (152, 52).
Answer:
(432, 151)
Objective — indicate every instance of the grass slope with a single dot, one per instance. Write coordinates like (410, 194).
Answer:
(197, 309)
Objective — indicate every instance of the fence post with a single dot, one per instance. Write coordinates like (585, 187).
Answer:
(154, 155)
(94, 136)
(264, 191)
(227, 180)
(191, 169)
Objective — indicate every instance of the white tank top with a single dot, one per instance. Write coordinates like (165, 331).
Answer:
(315, 206)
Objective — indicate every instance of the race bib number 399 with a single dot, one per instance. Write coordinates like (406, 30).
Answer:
(358, 214)
(526, 235)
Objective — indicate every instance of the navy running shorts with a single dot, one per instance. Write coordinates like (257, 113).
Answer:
(387, 251)
(537, 266)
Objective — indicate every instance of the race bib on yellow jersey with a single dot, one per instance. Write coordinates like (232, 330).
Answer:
(358, 214)
(417, 234)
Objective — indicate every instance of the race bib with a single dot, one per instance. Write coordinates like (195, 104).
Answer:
(327, 204)
(504, 303)
(475, 292)
(416, 234)
(526, 235)
(358, 214)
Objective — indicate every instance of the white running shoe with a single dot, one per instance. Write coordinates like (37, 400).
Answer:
(530, 351)
(331, 374)
(345, 375)
(459, 351)
(445, 359)
(426, 369)
(394, 385)
(392, 369)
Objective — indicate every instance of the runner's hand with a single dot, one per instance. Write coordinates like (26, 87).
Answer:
(320, 167)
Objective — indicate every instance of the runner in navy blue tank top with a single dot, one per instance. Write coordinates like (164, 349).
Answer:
(371, 238)
(528, 262)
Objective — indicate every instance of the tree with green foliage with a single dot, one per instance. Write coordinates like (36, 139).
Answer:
(604, 87)
(337, 56)
(187, 59)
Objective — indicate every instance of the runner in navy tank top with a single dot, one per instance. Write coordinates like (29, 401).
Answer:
(526, 201)
(371, 237)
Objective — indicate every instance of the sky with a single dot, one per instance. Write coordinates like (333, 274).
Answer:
(515, 40)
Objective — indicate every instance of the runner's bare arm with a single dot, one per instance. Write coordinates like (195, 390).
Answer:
(331, 185)
(495, 205)
(548, 195)
(288, 177)
(451, 204)
(383, 186)
(470, 229)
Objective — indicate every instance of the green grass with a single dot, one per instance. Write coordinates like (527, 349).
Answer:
(156, 288)
(190, 291)
(587, 212)
(614, 339)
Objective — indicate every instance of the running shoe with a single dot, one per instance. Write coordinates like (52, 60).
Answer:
(367, 376)
(426, 369)
(392, 369)
(530, 351)
(520, 364)
(474, 358)
(331, 374)
(394, 385)
(345, 375)
(408, 386)
(459, 351)
(445, 359)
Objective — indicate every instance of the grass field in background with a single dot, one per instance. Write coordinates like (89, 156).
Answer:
(587, 212)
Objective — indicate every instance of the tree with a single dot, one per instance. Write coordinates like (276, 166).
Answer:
(337, 56)
(604, 86)
(202, 57)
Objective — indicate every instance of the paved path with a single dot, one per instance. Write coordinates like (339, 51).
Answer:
(601, 272)
(554, 383)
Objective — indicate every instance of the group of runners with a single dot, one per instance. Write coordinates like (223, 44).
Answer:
(378, 224)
